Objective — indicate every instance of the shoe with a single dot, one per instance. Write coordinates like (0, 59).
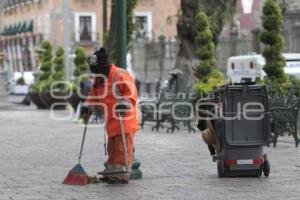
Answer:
(114, 170)
(104, 178)
(118, 178)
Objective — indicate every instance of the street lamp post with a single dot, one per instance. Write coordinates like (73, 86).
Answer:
(136, 173)
(66, 34)
(121, 33)
(104, 17)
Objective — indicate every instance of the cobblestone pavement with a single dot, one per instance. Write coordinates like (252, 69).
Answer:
(36, 153)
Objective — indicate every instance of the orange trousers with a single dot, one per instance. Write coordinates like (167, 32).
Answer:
(115, 150)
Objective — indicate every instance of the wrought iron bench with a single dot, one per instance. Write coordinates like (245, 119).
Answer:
(284, 116)
(167, 109)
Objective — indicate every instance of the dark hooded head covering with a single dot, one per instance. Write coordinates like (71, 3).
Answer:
(99, 63)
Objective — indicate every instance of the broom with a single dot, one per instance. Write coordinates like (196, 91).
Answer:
(77, 175)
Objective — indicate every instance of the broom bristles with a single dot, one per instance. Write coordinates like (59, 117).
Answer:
(76, 179)
(77, 176)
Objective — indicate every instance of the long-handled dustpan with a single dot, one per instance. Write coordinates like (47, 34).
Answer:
(77, 175)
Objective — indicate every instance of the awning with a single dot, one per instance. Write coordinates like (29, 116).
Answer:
(14, 29)
(19, 28)
(23, 27)
(9, 29)
(4, 30)
(29, 27)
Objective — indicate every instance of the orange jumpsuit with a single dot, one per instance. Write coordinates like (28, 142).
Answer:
(119, 87)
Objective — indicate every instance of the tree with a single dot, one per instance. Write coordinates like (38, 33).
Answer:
(59, 72)
(111, 43)
(81, 66)
(206, 48)
(219, 11)
(209, 76)
(80, 61)
(273, 39)
(46, 66)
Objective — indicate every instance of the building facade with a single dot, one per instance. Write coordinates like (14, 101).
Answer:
(25, 23)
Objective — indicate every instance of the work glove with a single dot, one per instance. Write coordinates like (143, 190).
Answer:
(85, 113)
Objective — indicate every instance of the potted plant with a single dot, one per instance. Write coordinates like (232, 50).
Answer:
(52, 88)
(35, 97)
(44, 53)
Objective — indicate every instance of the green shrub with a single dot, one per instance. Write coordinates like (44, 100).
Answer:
(295, 83)
(59, 70)
(81, 65)
(271, 8)
(209, 76)
(215, 79)
(46, 67)
(273, 39)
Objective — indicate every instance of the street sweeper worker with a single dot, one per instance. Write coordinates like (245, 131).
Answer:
(206, 125)
(114, 91)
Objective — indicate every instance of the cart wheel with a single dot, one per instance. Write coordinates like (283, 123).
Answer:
(221, 169)
(266, 168)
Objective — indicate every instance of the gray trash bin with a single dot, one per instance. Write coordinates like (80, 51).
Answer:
(243, 127)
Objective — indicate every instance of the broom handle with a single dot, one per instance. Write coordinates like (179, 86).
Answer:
(82, 143)
(124, 142)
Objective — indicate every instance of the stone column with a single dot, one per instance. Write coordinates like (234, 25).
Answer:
(19, 55)
(296, 43)
(256, 40)
(32, 53)
(234, 40)
(3, 74)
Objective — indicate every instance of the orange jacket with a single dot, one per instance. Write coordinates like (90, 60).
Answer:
(108, 96)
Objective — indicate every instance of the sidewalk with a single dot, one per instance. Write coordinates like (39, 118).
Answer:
(36, 153)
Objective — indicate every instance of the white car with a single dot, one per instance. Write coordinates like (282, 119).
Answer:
(21, 89)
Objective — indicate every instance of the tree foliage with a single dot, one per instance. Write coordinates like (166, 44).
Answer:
(273, 39)
(59, 69)
(206, 47)
(209, 77)
(46, 61)
(81, 67)
(219, 12)
(80, 61)
(45, 74)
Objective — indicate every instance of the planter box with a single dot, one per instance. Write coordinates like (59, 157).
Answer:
(74, 100)
(49, 100)
(36, 99)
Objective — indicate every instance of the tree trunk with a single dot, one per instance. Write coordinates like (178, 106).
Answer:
(218, 11)
(111, 43)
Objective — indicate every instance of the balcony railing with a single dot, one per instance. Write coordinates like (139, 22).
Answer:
(13, 4)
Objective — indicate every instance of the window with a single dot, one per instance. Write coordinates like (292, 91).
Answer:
(85, 27)
(141, 24)
(143, 21)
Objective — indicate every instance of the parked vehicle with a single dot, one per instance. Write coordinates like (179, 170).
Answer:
(16, 88)
(249, 68)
